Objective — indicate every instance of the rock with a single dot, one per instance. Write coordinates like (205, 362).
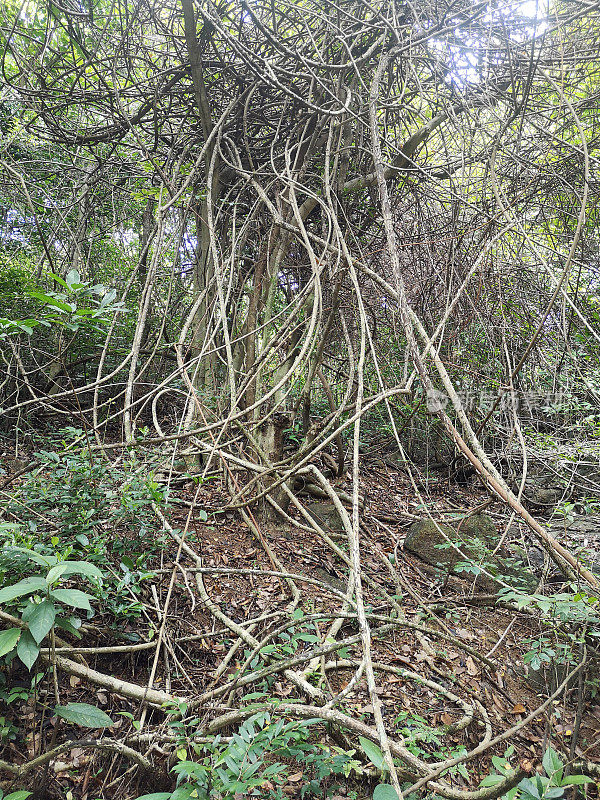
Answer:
(326, 516)
(549, 677)
(424, 539)
(477, 538)
(544, 490)
(547, 495)
(543, 566)
(581, 535)
(324, 576)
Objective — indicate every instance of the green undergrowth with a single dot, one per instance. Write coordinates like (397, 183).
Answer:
(77, 506)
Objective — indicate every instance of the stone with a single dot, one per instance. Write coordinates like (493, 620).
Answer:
(326, 516)
(547, 679)
(581, 535)
(546, 495)
(477, 537)
(325, 577)
(544, 490)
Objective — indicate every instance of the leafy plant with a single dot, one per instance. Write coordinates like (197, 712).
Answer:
(87, 503)
(550, 786)
(79, 305)
(84, 714)
(21, 794)
(45, 605)
(383, 791)
(248, 765)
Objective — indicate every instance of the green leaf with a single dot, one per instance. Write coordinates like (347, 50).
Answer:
(186, 792)
(385, 791)
(56, 572)
(85, 715)
(66, 568)
(373, 752)
(552, 764)
(553, 793)
(83, 568)
(58, 279)
(20, 795)
(73, 277)
(52, 301)
(41, 620)
(26, 586)
(28, 649)
(44, 561)
(72, 597)
(67, 625)
(8, 640)
(528, 788)
(576, 780)
(491, 780)
(156, 796)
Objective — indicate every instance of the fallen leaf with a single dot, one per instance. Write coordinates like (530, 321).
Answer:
(297, 776)
(518, 708)
(74, 681)
(472, 667)
(498, 702)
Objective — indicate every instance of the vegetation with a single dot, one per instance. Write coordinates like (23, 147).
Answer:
(279, 281)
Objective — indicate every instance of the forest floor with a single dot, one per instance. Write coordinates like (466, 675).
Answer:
(467, 643)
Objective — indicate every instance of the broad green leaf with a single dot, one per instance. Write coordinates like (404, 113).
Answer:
(529, 789)
(25, 586)
(58, 279)
(8, 640)
(41, 620)
(83, 568)
(385, 791)
(156, 796)
(67, 625)
(491, 780)
(44, 561)
(577, 780)
(72, 597)
(553, 793)
(28, 610)
(20, 795)
(28, 649)
(187, 792)
(373, 752)
(552, 764)
(57, 572)
(73, 568)
(52, 301)
(85, 715)
(73, 276)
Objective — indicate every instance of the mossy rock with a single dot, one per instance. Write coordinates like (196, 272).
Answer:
(326, 516)
(325, 577)
(477, 537)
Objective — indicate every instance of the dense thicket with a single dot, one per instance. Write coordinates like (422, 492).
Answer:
(268, 238)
